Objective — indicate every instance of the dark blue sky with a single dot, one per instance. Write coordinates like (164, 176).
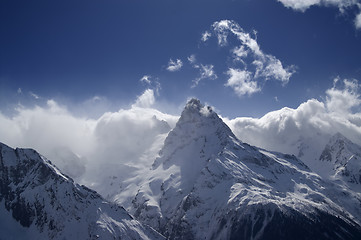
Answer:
(71, 51)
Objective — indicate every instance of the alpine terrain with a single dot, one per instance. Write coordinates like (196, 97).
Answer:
(37, 201)
(341, 160)
(207, 184)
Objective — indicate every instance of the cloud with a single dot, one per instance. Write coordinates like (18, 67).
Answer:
(154, 88)
(302, 5)
(19, 91)
(205, 72)
(342, 5)
(342, 101)
(146, 79)
(241, 82)
(258, 65)
(96, 98)
(92, 151)
(240, 53)
(358, 21)
(109, 149)
(146, 100)
(304, 131)
(174, 65)
(205, 36)
(33, 95)
(271, 68)
(192, 59)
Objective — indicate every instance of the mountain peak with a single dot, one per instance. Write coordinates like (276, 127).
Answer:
(193, 103)
(337, 137)
(206, 184)
(195, 109)
(342, 159)
(199, 133)
(198, 121)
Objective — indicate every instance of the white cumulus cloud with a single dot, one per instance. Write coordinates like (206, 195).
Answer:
(343, 100)
(241, 82)
(302, 5)
(342, 5)
(304, 131)
(90, 150)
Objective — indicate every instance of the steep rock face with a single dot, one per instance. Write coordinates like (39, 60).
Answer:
(207, 184)
(38, 202)
(343, 159)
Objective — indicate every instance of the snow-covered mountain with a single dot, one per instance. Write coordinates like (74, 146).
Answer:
(206, 184)
(37, 201)
(341, 159)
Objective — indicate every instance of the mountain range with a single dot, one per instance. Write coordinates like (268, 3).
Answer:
(204, 184)
(37, 201)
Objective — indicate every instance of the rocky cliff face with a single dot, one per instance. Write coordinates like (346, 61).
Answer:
(37, 201)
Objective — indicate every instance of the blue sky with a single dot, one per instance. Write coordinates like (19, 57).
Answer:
(76, 52)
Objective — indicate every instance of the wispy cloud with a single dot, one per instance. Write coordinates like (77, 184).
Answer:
(358, 20)
(146, 100)
(205, 36)
(152, 83)
(271, 68)
(255, 64)
(205, 72)
(33, 95)
(174, 65)
(146, 79)
(192, 59)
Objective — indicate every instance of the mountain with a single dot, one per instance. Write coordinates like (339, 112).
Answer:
(37, 201)
(207, 184)
(342, 159)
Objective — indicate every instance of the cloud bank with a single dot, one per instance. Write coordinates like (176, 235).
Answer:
(304, 131)
(91, 150)
(106, 151)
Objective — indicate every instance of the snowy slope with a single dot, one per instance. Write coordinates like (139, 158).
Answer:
(341, 159)
(38, 202)
(207, 184)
